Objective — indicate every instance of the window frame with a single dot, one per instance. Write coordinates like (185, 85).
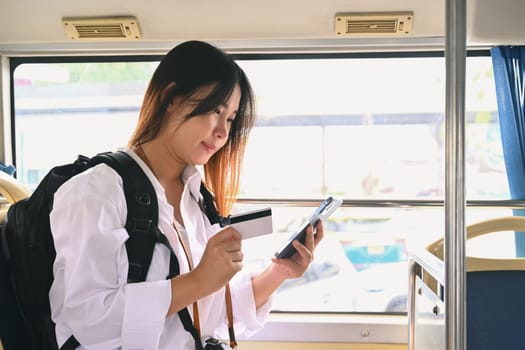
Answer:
(315, 327)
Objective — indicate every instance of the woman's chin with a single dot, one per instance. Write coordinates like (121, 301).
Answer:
(201, 161)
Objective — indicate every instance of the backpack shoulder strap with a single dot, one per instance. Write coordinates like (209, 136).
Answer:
(143, 213)
(142, 223)
(208, 206)
(142, 226)
(141, 219)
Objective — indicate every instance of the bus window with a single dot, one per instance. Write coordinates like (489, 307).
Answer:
(353, 126)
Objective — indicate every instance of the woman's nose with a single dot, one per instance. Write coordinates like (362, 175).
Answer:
(221, 129)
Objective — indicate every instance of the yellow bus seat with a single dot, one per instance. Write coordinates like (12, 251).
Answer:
(495, 291)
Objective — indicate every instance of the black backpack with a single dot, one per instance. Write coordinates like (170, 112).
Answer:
(27, 250)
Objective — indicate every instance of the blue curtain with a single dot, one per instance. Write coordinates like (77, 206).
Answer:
(509, 63)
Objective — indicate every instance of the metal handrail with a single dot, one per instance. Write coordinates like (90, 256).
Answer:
(382, 203)
(455, 62)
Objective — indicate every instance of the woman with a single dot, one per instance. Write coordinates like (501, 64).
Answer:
(197, 111)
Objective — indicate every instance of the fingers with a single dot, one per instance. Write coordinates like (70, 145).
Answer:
(313, 237)
(303, 251)
(227, 234)
(309, 241)
(236, 256)
(229, 242)
(222, 258)
(320, 232)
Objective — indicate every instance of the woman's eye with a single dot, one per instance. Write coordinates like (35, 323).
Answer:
(217, 111)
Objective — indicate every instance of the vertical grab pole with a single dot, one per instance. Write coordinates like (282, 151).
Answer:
(455, 237)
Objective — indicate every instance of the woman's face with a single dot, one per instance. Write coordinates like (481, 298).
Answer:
(195, 140)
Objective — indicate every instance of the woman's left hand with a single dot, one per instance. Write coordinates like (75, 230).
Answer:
(266, 283)
(296, 265)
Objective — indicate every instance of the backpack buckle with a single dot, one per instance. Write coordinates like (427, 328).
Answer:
(224, 221)
(141, 225)
(143, 198)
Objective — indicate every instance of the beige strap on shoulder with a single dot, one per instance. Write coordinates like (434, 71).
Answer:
(196, 320)
(229, 310)
(228, 297)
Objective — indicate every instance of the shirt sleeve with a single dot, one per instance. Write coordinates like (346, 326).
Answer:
(90, 295)
(248, 319)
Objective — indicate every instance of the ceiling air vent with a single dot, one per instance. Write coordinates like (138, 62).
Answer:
(101, 28)
(374, 24)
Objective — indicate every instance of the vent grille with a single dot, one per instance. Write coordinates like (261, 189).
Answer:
(367, 24)
(102, 29)
(107, 31)
(371, 26)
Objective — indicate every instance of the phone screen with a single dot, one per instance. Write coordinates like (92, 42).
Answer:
(326, 209)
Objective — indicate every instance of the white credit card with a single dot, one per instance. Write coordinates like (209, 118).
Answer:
(252, 223)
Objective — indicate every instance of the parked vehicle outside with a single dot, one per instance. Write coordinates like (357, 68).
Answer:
(332, 283)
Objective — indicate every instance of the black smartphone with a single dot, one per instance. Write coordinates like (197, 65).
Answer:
(326, 209)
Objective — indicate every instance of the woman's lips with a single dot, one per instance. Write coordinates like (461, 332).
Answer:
(209, 148)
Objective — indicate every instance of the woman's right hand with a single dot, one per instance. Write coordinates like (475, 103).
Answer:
(221, 260)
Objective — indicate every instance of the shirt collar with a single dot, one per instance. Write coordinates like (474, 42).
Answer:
(192, 177)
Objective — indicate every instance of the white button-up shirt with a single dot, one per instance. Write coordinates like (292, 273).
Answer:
(90, 296)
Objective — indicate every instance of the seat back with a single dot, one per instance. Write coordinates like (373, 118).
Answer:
(495, 308)
(495, 291)
(12, 191)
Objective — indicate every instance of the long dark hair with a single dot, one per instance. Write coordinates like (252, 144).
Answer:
(193, 65)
